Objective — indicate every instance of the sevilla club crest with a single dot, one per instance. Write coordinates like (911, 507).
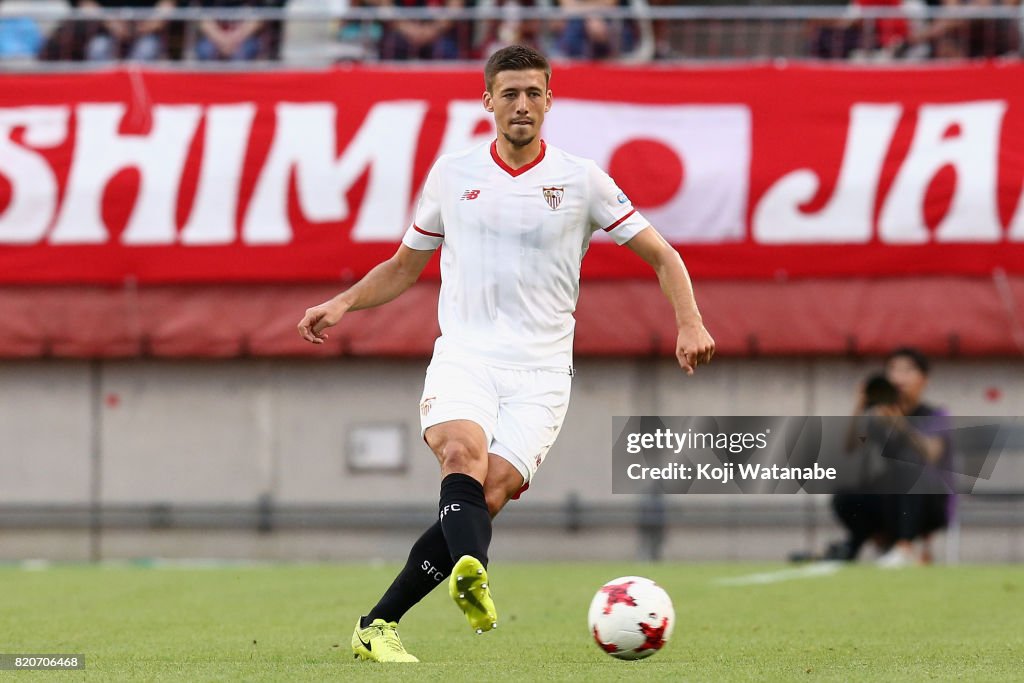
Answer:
(553, 196)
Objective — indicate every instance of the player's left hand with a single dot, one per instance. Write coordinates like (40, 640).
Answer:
(694, 346)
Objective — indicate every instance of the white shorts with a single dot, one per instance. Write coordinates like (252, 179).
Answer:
(520, 411)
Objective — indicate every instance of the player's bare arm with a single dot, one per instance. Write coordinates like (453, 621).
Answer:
(694, 344)
(384, 283)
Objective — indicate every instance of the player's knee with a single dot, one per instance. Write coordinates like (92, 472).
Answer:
(456, 456)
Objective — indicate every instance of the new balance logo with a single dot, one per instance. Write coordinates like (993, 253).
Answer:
(470, 194)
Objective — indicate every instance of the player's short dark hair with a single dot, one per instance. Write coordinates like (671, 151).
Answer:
(515, 58)
(915, 356)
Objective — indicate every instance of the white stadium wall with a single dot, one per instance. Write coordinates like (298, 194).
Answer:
(213, 433)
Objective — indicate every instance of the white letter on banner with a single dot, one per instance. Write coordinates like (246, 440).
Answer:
(101, 152)
(464, 117)
(1016, 232)
(33, 183)
(305, 141)
(212, 220)
(848, 216)
(973, 215)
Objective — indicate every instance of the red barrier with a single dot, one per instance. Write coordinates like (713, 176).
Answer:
(944, 316)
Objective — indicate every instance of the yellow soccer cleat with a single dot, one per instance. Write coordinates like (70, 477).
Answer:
(379, 642)
(468, 587)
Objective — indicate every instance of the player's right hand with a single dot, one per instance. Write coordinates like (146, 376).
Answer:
(319, 318)
(694, 346)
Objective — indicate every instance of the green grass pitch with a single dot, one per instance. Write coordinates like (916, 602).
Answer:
(294, 622)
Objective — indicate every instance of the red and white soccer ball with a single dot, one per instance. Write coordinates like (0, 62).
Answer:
(631, 617)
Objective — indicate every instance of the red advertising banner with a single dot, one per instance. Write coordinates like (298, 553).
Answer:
(766, 172)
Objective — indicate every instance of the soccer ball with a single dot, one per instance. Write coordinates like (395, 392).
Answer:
(631, 617)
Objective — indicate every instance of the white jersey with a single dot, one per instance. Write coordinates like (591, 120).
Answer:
(513, 243)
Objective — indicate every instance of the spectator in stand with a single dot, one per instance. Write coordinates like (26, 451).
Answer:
(511, 29)
(591, 37)
(20, 38)
(662, 29)
(430, 38)
(360, 39)
(237, 39)
(969, 38)
(848, 37)
(121, 39)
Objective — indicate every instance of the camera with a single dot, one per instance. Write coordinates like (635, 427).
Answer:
(879, 391)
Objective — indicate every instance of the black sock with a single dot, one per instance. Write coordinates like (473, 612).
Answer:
(464, 517)
(428, 565)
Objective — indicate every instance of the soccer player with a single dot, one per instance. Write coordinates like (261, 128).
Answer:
(515, 217)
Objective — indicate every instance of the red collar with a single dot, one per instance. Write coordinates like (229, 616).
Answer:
(522, 169)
